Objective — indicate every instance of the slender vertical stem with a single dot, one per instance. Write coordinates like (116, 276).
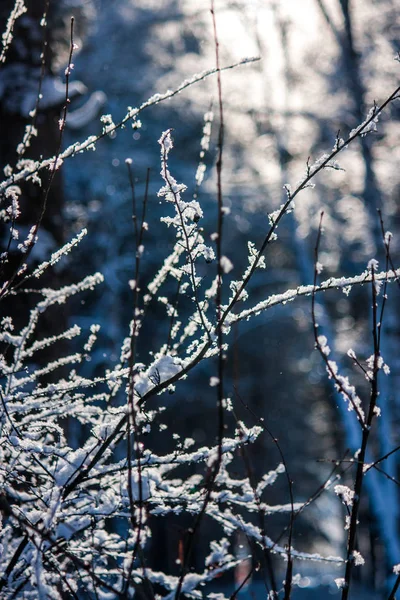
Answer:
(31, 241)
(358, 483)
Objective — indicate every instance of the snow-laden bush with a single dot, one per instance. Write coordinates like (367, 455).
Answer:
(79, 479)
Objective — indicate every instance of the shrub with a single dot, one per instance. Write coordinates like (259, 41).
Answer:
(81, 480)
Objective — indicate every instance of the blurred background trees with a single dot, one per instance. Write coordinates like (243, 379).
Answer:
(323, 63)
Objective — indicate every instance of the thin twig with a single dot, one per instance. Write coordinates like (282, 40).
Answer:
(216, 466)
(359, 478)
(54, 166)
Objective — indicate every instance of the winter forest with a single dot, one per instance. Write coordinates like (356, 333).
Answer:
(200, 299)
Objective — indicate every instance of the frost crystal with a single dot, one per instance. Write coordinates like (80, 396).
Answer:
(340, 582)
(226, 264)
(346, 494)
(373, 264)
(386, 369)
(388, 237)
(18, 10)
(367, 127)
(358, 558)
(323, 342)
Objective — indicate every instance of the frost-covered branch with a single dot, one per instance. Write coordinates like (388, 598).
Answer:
(30, 169)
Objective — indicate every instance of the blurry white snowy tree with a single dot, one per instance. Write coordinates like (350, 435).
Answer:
(91, 473)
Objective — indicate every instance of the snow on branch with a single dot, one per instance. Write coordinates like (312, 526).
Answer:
(343, 283)
(30, 168)
(7, 36)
